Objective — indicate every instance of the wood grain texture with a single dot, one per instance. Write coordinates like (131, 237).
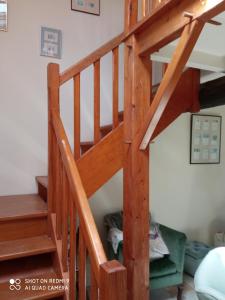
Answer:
(167, 22)
(184, 99)
(65, 216)
(97, 133)
(92, 165)
(115, 109)
(131, 14)
(94, 287)
(24, 294)
(73, 252)
(21, 207)
(136, 174)
(53, 103)
(25, 247)
(82, 267)
(87, 223)
(113, 281)
(77, 116)
(169, 82)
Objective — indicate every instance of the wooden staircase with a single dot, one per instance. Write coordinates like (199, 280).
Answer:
(53, 236)
(26, 250)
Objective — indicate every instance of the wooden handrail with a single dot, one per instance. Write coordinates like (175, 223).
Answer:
(87, 223)
(92, 58)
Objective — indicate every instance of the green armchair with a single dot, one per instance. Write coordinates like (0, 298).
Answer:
(165, 272)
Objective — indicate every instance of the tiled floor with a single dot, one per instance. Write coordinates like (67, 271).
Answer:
(171, 294)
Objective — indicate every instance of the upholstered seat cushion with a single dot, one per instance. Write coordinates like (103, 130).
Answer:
(162, 267)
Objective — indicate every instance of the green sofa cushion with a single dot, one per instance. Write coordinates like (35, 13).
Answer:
(162, 267)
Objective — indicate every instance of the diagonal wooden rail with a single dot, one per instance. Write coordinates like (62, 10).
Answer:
(169, 82)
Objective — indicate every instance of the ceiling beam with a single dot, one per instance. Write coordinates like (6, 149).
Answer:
(168, 22)
(212, 93)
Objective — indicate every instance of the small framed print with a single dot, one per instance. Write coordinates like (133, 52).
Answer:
(3, 15)
(51, 42)
(205, 139)
(86, 6)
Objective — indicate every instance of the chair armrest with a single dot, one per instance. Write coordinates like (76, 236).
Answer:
(175, 242)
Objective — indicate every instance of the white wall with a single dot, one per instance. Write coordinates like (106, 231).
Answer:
(23, 113)
(190, 198)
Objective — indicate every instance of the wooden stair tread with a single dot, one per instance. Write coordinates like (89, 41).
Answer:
(26, 247)
(42, 180)
(51, 290)
(22, 206)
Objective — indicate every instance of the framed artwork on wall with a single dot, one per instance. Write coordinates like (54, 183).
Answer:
(205, 139)
(3, 15)
(87, 6)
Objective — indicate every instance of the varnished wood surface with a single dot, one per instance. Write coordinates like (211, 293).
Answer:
(26, 267)
(166, 23)
(23, 294)
(184, 99)
(26, 247)
(87, 223)
(169, 82)
(92, 165)
(22, 228)
(21, 207)
(43, 180)
(113, 281)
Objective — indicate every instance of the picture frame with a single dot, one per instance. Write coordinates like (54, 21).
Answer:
(87, 6)
(3, 15)
(51, 42)
(205, 139)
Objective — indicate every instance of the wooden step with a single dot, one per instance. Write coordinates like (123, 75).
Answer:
(42, 182)
(26, 247)
(26, 267)
(31, 288)
(21, 207)
(22, 216)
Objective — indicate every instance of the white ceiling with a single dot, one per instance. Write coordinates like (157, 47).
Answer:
(209, 52)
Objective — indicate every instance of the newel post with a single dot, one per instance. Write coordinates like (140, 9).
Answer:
(113, 281)
(53, 104)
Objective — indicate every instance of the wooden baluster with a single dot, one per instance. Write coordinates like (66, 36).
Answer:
(59, 202)
(53, 103)
(97, 133)
(65, 189)
(94, 287)
(77, 116)
(115, 87)
(145, 7)
(57, 189)
(72, 271)
(82, 267)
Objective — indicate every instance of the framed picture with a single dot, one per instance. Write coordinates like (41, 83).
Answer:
(51, 42)
(87, 6)
(205, 139)
(3, 15)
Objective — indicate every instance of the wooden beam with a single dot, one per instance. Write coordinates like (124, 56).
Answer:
(166, 24)
(169, 82)
(212, 93)
(136, 174)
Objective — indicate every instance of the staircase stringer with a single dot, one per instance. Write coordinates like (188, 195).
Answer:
(102, 161)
